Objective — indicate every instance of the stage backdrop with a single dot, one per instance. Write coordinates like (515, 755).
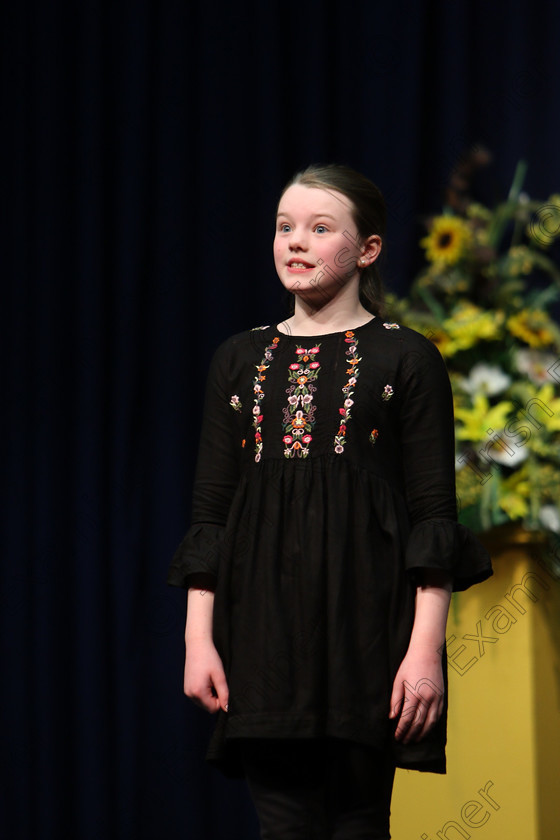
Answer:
(144, 146)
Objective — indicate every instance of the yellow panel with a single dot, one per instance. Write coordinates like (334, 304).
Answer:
(504, 722)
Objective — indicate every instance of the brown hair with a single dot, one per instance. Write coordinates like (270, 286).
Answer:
(368, 211)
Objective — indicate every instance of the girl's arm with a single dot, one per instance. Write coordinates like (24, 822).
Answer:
(204, 680)
(418, 689)
(195, 565)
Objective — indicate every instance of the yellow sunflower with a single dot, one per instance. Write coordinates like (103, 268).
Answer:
(469, 324)
(533, 326)
(447, 241)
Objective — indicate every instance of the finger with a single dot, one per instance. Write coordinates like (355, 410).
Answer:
(419, 715)
(203, 697)
(407, 716)
(415, 727)
(426, 720)
(221, 687)
(397, 698)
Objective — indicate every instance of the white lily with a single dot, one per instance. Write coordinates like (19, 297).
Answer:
(485, 379)
(549, 516)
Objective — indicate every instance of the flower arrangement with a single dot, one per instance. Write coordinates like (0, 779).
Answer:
(484, 298)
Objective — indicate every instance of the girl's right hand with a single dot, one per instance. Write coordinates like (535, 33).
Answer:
(205, 680)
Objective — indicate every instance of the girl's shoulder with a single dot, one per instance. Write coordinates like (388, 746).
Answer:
(404, 340)
(244, 347)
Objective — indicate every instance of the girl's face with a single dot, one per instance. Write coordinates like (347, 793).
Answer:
(317, 246)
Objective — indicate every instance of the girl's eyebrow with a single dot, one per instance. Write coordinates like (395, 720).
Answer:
(314, 216)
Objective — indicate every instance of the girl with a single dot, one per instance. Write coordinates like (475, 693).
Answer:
(324, 544)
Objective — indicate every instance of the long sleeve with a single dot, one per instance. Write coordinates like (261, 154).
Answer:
(436, 540)
(196, 560)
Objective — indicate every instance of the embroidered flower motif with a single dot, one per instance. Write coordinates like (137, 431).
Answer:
(391, 326)
(387, 393)
(235, 403)
(299, 414)
(259, 396)
(353, 372)
(259, 328)
(373, 435)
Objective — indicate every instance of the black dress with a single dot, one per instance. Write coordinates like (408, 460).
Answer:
(325, 486)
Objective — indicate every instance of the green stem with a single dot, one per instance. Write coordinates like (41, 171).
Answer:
(518, 179)
(504, 211)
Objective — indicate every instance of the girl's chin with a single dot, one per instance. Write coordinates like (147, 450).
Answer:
(310, 295)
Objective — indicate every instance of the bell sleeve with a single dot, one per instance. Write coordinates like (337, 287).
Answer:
(436, 540)
(196, 561)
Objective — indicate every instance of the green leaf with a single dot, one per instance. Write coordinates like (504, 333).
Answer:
(433, 305)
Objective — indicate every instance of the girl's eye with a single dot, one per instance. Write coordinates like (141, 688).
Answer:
(284, 227)
(321, 229)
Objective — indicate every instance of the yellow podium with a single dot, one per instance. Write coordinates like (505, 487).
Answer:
(503, 753)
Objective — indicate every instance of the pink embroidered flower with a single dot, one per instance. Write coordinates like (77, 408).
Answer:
(259, 396)
(387, 393)
(353, 361)
(299, 414)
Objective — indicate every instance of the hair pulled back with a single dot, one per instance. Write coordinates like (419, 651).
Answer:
(368, 212)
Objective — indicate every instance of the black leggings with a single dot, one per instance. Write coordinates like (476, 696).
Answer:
(319, 789)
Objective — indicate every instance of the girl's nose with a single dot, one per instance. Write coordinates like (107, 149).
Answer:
(298, 239)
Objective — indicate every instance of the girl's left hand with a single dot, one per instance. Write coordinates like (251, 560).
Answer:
(417, 698)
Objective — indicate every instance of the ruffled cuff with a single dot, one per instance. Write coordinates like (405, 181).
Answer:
(196, 561)
(447, 546)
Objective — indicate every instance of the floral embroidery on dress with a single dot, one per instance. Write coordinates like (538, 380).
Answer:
(391, 326)
(260, 328)
(259, 395)
(235, 403)
(387, 393)
(299, 414)
(345, 412)
(373, 435)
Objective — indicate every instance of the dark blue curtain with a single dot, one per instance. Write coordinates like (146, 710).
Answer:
(143, 147)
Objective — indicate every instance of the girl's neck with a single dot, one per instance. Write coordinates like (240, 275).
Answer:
(328, 319)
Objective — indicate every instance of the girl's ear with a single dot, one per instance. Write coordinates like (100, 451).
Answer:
(371, 249)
